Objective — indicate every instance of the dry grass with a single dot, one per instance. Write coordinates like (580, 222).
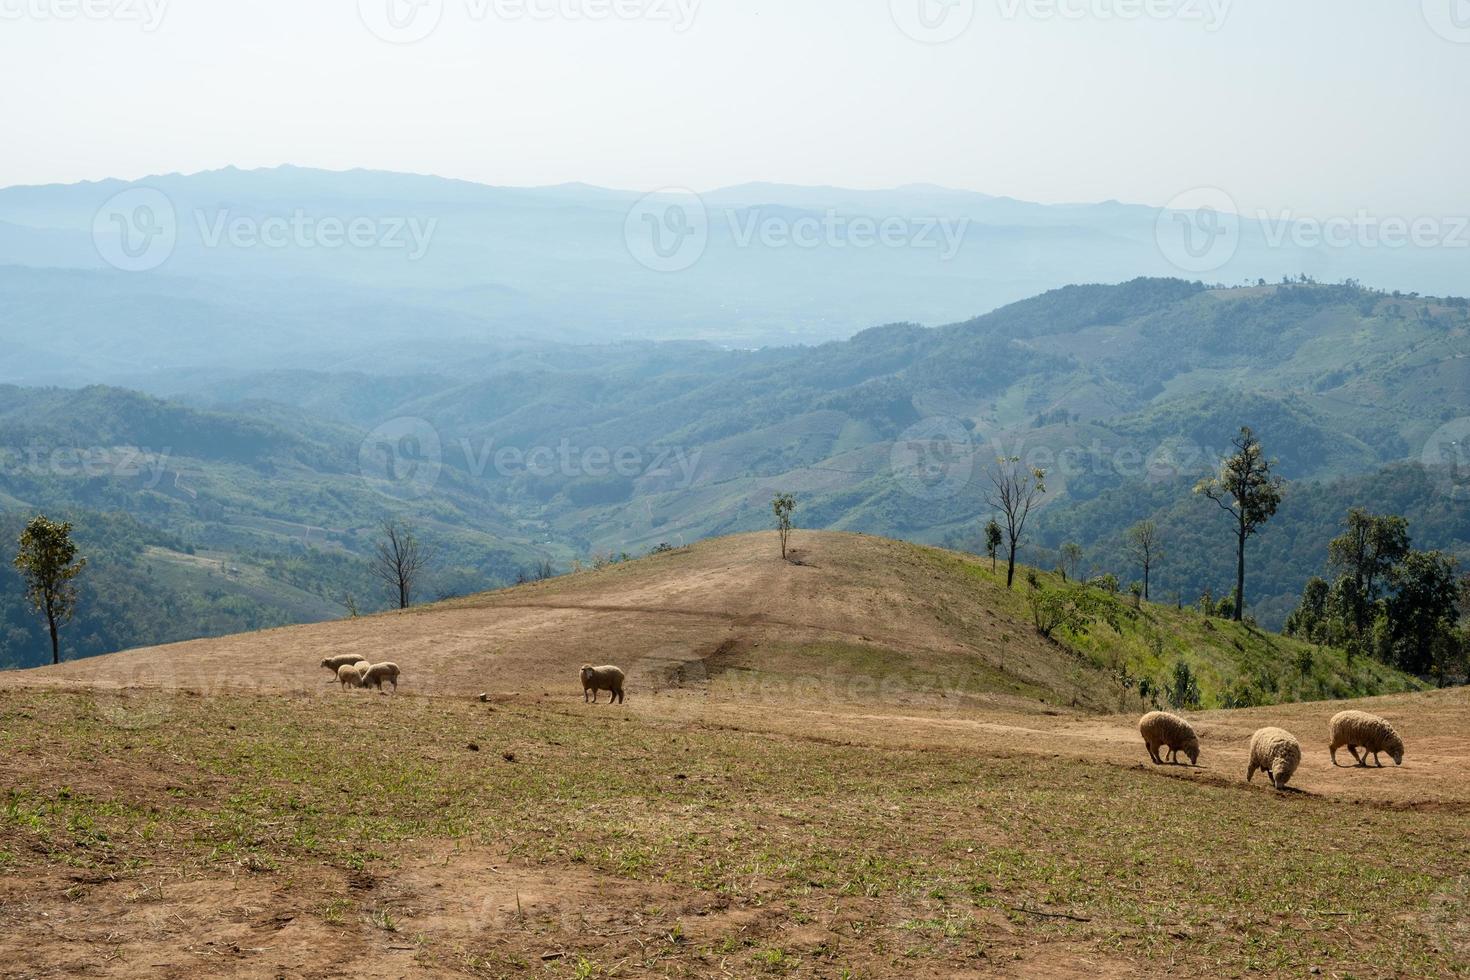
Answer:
(702, 848)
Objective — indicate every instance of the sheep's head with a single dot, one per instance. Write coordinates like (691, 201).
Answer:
(587, 671)
(327, 662)
(1192, 750)
(1395, 749)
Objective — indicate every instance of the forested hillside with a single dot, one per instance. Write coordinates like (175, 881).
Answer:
(535, 453)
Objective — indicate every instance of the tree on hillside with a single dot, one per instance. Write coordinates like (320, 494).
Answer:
(784, 505)
(399, 560)
(1246, 490)
(1015, 490)
(1309, 620)
(1146, 548)
(48, 562)
(1366, 552)
(1423, 606)
(1071, 560)
(993, 537)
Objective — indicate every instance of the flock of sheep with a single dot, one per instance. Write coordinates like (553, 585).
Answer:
(1275, 751)
(353, 671)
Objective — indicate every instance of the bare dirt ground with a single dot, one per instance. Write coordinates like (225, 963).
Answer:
(718, 648)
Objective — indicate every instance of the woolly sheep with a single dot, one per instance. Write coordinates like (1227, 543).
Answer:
(1357, 729)
(375, 675)
(1163, 730)
(350, 675)
(1277, 753)
(597, 679)
(335, 664)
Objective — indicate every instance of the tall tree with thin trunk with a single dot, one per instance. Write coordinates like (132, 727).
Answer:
(1071, 561)
(49, 564)
(1245, 489)
(1015, 491)
(783, 505)
(399, 560)
(1146, 547)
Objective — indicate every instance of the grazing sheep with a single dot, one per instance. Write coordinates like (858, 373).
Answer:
(1373, 734)
(350, 675)
(597, 679)
(375, 675)
(1277, 753)
(1163, 730)
(335, 664)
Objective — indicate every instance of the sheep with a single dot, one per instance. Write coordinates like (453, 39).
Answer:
(350, 675)
(1163, 730)
(597, 679)
(1373, 734)
(1276, 752)
(375, 675)
(335, 664)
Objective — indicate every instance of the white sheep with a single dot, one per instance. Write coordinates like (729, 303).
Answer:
(596, 679)
(335, 664)
(350, 675)
(1163, 730)
(1277, 753)
(1358, 729)
(375, 675)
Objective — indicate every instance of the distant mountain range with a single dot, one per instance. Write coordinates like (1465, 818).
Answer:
(133, 282)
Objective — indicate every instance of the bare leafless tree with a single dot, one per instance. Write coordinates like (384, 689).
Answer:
(1145, 546)
(1015, 490)
(399, 560)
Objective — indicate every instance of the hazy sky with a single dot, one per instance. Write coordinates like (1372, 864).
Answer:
(1323, 106)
